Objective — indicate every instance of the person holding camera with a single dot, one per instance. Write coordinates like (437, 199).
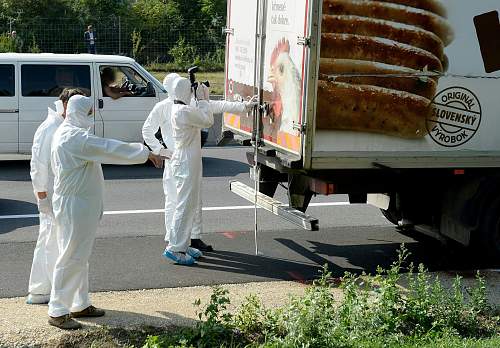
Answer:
(160, 118)
(185, 167)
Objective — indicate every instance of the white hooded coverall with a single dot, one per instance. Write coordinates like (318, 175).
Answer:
(78, 200)
(46, 252)
(160, 117)
(185, 165)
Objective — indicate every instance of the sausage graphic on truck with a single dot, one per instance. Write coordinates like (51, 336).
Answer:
(394, 102)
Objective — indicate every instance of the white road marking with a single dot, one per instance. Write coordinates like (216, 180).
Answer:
(155, 211)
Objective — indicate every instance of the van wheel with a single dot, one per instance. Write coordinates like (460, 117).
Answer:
(204, 137)
(489, 232)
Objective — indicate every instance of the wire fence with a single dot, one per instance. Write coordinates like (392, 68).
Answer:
(160, 44)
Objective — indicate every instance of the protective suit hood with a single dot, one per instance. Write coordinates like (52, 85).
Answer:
(182, 90)
(77, 112)
(168, 83)
(59, 107)
(58, 112)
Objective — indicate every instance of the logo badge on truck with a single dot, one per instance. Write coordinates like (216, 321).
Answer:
(455, 118)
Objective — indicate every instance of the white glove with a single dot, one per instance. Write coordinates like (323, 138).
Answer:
(166, 153)
(45, 206)
(249, 105)
(202, 92)
(255, 99)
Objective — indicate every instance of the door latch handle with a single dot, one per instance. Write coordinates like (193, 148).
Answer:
(101, 104)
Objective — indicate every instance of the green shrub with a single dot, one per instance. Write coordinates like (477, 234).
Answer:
(184, 55)
(34, 48)
(137, 46)
(375, 311)
(7, 44)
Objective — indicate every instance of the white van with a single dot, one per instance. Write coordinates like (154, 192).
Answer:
(29, 83)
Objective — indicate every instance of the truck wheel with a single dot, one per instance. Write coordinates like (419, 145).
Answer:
(489, 232)
(390, 216)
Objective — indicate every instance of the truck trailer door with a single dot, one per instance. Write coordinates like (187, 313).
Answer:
(284, 60)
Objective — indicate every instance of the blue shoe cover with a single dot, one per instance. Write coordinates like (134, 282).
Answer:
(179, 258)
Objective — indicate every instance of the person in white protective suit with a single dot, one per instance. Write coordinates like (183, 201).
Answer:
(46, 251)
(160, 117)
(78, 206)
(185, 167)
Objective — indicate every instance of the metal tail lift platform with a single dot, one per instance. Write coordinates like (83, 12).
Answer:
(276, 207)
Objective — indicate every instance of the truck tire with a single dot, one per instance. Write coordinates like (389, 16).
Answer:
(489, 232)
(390, 216)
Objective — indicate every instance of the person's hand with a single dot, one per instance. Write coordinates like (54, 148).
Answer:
(202, 92)
(41, 195)
(254, 99)
(156, 159)
(249, 105)
(45, 206)
(166, 154)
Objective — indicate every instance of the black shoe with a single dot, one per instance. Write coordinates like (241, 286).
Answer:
(200, 245)
(65, 323)
(89, 312)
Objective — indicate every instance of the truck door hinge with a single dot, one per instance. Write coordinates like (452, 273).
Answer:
(228, 31)
(304, 41)
(300, 127)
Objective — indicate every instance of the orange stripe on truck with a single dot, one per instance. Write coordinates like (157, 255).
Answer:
(232, 120)
(289, 141)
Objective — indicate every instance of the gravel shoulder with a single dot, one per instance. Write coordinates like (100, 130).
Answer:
(24, 325)
(143, 311)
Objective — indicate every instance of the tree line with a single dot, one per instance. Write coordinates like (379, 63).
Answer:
(149, 30)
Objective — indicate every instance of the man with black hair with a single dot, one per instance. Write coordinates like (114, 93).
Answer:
(46, 250)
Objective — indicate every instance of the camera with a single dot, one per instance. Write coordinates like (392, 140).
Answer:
(192, 77)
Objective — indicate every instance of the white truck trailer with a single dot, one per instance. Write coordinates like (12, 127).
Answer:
(394, 102)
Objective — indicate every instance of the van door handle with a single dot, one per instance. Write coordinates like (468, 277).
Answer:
(101, 104)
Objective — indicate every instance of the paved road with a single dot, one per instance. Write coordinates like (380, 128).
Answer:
(127, 253)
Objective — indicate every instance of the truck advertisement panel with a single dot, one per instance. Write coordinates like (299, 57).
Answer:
(417, 76)
(420, 77)
(284, 64)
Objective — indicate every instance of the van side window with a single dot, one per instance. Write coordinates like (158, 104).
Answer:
(7, 80)
(123, 81)
(50, 80)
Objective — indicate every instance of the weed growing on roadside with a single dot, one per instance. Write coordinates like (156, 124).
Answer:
(375, 311)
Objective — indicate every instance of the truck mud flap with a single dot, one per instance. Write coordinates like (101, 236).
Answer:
(276, 207)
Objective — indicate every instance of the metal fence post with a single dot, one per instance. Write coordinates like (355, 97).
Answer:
(119, 35)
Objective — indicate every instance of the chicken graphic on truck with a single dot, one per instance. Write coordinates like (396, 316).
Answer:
(286, 89)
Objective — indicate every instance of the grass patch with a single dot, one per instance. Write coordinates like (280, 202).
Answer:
(216, 79)
(375, 311)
